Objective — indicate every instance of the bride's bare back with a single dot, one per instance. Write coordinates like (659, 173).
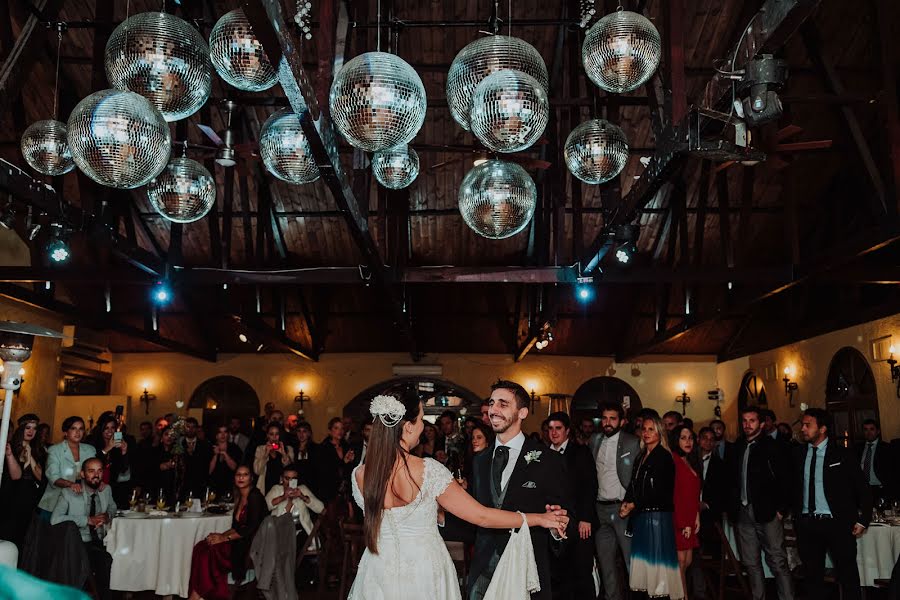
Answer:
(404, 485)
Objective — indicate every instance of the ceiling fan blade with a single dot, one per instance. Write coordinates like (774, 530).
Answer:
(443, 164)
(787, 132)
(802, 146)
(211, 134)
(724, 165)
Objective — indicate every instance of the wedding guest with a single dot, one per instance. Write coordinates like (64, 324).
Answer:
(197, 456)
(485, 408)
(223, 463)
(271, 458)
(427, 447)
(91, 507)
(545, 432)
(362, 448)
(585, 431)
(236, 436)
(143, 465)
(687, 498)
(672, 419)
(43, 436)
(785, 431)
(833, 505)
(481, 438)
(649, 503)
(23, 480)
(64, 464)
(723, 446)
(469, 424)
(712, 505)
(759, 499)
(877, 462)
(114, 455)
(167, 466)
(291, 496)
(334, 456)
(227, 552)
(306, 455)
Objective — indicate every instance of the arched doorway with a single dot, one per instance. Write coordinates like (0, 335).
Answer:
(222, 398)
(752, 392)
(850, 394)
(437, 394)
(599, 390)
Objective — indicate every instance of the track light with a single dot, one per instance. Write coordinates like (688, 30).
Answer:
(584, 292)
(626, 237)
(58, 246)
(161, 293)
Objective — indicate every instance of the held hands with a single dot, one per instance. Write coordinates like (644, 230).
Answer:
(123, 447)
(626, 509)
(556, 518)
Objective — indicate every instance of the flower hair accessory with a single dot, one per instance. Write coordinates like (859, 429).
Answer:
(388, 409)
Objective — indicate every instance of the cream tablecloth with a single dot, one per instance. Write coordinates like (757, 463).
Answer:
(154, 553)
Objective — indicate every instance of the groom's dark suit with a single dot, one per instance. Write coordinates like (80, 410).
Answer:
(531, 486)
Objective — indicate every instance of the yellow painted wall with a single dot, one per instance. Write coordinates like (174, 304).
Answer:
(88, 408)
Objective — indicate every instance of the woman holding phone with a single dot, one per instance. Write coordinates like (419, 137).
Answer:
(271, 458)
(112, 450)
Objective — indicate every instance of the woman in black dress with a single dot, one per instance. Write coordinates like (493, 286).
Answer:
(224, 462)
(114, 454)
(23, 480)
(335, 454)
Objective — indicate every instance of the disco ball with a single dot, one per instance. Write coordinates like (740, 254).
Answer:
(621, 51)
(596, 151)
(377, 101)
(285, 150)
(238, 56)
(119, 139)
(46, 149)
(497, 199)
(510, 111)
(184, 192)
(162, 58)
(396, 168)
(481, 58)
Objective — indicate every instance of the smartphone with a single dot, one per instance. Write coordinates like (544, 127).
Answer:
(274, 446)
(117, 436)
(292, 484)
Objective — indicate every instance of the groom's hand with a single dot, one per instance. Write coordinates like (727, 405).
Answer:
(562, 519)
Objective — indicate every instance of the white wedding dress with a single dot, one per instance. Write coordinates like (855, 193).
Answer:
(412, 560)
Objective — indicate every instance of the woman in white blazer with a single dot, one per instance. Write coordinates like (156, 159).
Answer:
(299, 499)
(270, 459)
(64, 464)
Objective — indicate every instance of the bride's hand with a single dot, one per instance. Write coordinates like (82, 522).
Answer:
(557, 520)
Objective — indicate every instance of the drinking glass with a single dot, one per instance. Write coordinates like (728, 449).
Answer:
(132, 502)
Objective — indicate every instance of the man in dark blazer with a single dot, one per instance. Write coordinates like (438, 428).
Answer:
(832, 504)
(723, 446)
(877, 461)
(518, 473)
(757, 470)
(572, 571)
(712, 506)
(615, 452)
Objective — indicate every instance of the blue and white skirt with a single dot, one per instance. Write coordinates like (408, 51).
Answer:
(654, 563)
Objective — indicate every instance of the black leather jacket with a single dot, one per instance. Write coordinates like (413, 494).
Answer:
(652, 486)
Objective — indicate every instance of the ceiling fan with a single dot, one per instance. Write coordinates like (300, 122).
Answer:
(227, 152)
(528, 162)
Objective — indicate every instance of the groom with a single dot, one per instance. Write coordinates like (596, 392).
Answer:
(516, 474)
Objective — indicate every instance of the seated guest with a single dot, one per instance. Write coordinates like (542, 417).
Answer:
(23, 480)
(876, 460)
(687, 497)
(197, 456)
(291, 496)
(114, 455)
(64, 464)
(164, 460)
(92, 509)
(223, 463)
(271, 458)
(227, 552)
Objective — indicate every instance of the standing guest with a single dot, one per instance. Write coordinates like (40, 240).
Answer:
(159, 426)
(614, 452)
(23, 480)
(877, 462)
(575, 565)
(759, 500)
(91, 507)
(334, 455)
(64, 464)
(291, 422)
(292, 497)
(712, 505)
(306, 455)
(833, 505)
(428, 446)
(687, 498)
(469, 424)
(142, 456)
(485, 407)
(481, 439)
(165, 471)
(671, 420)
(785, 431)
(113, 453)
(223, 553)
(363, 448)
(236, 436)
(545, 432)
(223, 463)
(585, 431)
(277, 417)
(43, 436)
(723, 446)
(650, 503)
(351, 434)
(145, 432)
(197, 456)
(271, 458)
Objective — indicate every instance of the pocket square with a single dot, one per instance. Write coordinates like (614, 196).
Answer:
(834, 464)
(626, 454)
(529, 484)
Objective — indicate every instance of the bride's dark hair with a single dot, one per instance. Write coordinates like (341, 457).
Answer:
(383, 449)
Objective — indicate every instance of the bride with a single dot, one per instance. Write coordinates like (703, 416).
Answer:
(399, 493)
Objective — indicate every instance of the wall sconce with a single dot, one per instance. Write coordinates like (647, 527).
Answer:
(789, 386)
(301, 398)
(895, 370)
(683, 398)
(146, 398)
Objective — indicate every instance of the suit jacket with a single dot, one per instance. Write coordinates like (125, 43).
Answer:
(846, 491)
(884, 463)
(713, 492)
(61, 465)
(583, 475)
(627, 452)
(530, 488)
(196, 467)
(76, 508)
(767, 478)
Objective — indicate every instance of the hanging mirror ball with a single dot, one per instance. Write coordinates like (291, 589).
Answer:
(285, 150)
(162, 58)
(510, 111)
(497, 199)
(118, 139)
(184, 192)
(396, 168)
(377, 101)
(596, 151)
(46, 148)
(621, 51)
(238, 56)
(482, 57)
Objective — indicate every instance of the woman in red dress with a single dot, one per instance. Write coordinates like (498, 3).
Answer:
(687, 498)
(223, 553)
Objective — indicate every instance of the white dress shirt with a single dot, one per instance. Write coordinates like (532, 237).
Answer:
(299, 508)
(515, 448)
(610, 487)
(561, 448)
(705, 461)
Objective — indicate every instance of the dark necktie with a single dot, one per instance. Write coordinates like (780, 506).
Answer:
(95, 537)
(501, 457)
(867, 463)
(811, 504)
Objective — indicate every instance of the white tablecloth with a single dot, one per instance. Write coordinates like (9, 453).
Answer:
(155, 553)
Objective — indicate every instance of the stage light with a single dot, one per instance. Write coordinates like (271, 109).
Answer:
(161, 293)
(623, 254)
(584, 292)
(242, 337)
(57, 246)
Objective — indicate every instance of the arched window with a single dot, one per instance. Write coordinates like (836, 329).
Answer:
(850, 394)
(224, 397)
(591, 394)
(437, 394)
(752, 392)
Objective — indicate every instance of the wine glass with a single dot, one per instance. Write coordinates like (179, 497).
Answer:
(210, 497)
(190, 500)
(161, 500)
(132, 502)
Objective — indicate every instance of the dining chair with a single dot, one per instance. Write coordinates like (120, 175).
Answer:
(353, 536)
(460, 559)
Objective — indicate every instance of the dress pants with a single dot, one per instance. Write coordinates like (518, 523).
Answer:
(572, 572)
(710, 545)
(610, 538)
(101, 564)
(815, 538)
(753, 536)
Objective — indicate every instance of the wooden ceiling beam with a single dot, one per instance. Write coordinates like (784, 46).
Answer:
(27, 48)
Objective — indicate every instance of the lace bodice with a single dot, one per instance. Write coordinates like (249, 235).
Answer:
(435, 479)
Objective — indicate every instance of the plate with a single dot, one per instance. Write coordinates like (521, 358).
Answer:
(191, 515)
(134, 515)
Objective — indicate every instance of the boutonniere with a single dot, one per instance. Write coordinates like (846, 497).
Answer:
(532, 456)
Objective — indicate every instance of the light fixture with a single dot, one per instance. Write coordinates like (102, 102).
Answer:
(146, 398)
(510, 111)
(596, 151)
(58, 246)
(790, 387)
(584, 292)
(242, 337)
(161, 293)
(760, 78)
(33, 231)
(626, 237)
(544, 336)
(497, 199)
(377, 101)
(301, 399)
(45, 147)
(184, 192)
(238, 56)
(162, 58)
(285, 150)
(683, 398)
(396, 168)
(621, 51)
(895, 370)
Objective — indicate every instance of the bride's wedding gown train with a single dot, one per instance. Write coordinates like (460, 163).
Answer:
(412, 560)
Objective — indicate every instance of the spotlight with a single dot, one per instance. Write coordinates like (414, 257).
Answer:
(624, 253)
(626, 236)
(161, 293)
(242, 337)
(57, 246)
(759, 80)
(584, 292)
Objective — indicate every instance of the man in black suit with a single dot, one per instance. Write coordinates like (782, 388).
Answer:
(573, 569)
(197, 456)
(521, 474)
(833, 506)
(877, 461)
(723, 446)
(712, 505)
(757, 468)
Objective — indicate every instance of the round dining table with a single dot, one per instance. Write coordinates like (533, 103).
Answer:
(154, 552)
